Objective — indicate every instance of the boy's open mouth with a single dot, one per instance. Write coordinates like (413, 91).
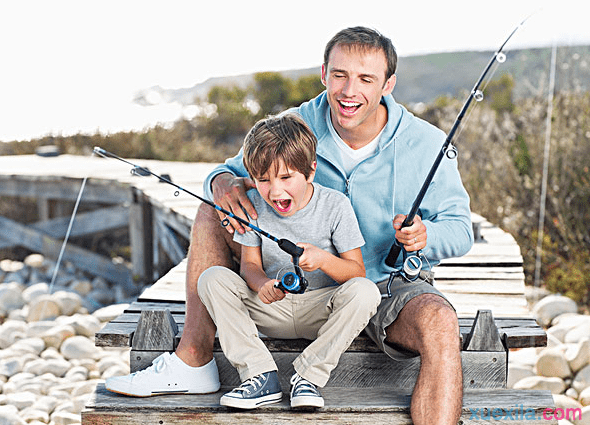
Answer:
(282, 205)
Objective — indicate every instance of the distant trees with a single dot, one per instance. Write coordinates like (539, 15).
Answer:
(501, 149)
(237, 109)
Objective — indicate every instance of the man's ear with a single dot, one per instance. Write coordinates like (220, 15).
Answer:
(389, 85)
(323, 76)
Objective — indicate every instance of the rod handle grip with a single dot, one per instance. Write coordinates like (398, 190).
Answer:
(290, 248)
(394, 252)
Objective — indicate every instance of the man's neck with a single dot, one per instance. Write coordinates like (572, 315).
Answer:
(365, 133)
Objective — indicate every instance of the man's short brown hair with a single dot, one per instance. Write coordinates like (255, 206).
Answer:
(283, 137)
(364, 38)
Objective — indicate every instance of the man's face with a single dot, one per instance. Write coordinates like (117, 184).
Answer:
(355, 82)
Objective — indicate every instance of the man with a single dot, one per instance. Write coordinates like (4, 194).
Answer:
(378, 154)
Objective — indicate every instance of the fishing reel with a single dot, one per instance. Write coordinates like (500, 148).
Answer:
(293, 282)
(412, 264)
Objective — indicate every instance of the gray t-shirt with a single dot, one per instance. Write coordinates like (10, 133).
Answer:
(327, 221)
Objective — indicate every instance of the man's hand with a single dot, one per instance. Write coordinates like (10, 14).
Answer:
(413, 237)
(269, 294)
(229, 192)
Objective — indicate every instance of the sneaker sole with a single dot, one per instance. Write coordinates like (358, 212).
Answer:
(250, 403)
(152, 394)
(307, 402)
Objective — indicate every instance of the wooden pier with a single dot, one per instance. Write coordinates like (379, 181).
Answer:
(158, 221)
(488, 280)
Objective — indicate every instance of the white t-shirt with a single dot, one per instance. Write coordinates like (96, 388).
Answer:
(350, 158)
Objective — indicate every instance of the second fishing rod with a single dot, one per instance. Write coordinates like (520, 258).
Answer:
(290, 282)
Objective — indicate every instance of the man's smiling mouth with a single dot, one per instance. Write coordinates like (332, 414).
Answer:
(349, 107)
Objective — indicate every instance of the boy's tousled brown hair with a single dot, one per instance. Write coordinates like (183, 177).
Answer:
(283, 137)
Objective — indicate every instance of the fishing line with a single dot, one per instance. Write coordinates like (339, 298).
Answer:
(542, 201)
(64, 244)
(284, 244)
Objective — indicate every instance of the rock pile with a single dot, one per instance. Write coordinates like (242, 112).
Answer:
(49, 364)
(563, 367)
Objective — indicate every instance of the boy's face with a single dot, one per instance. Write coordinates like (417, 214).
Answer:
(284, 189)
(355, 82)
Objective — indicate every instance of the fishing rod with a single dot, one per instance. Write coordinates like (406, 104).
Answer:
(448, 150)
(291, 282)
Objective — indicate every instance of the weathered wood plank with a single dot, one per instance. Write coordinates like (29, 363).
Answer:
(488, 273)
(374, 406)
(169, 242)
(141, 239)
(85, 260)
(86, 223)
(519, 333)
(53, 187)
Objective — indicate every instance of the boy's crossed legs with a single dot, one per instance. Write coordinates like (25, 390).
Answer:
(332, 317)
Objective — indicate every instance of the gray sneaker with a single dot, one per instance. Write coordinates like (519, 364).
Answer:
(304, 393)
(254, 392)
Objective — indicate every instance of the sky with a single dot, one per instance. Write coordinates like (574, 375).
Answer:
(69, 66)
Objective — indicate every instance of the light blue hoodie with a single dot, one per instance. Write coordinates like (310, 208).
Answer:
(387, 183)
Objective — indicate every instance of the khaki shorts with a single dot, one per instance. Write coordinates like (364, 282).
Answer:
(402, 291)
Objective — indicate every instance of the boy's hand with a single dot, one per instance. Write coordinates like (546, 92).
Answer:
(312, 258)
(229, 192)
(269, 294)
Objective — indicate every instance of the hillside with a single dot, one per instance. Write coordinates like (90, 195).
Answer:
(424, 78)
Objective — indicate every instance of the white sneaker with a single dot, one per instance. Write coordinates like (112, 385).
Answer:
(167, 375)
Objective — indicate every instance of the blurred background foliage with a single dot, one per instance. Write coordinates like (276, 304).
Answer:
(501, 145)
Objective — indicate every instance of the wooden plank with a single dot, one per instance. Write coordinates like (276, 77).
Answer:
(141, 239)
(374, 406)
(377, 370)
(168, 241)
(86, 223)
(481, 286)
(501, 305)
(472, 273)
(52, 187)
(85, 260)
(519, 333)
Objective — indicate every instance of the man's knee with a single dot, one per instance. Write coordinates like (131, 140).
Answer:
(426, 323)
(211, 244)
(440, 326)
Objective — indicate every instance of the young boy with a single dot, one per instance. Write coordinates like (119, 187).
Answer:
(279, 154)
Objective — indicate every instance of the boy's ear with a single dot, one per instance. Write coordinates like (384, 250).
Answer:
(313, 170)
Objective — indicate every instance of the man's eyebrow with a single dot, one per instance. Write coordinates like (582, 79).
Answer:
(343, 71)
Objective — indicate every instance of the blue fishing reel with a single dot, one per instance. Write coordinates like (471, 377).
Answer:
(293, 282)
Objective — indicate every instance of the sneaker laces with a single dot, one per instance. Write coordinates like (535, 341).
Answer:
(247, 384)
(300, 384)
(157, 365)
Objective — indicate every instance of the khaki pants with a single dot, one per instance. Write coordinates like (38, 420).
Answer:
(332, 317)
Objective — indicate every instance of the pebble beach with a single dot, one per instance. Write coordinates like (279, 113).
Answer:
(49, 365)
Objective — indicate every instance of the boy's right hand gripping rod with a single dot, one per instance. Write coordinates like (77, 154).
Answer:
(447, 149)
